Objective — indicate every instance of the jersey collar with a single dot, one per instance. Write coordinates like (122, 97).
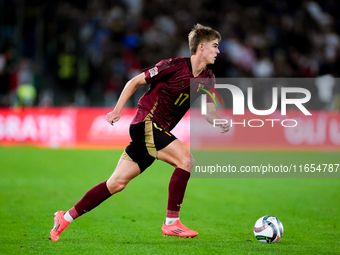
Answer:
(190, 68)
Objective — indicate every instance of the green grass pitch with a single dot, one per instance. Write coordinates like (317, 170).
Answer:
(34, 183)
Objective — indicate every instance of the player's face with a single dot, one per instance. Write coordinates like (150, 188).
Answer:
(210, 51)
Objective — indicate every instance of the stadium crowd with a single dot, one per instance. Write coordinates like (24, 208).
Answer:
(81, 53)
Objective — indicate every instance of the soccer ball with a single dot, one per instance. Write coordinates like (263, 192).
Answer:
(268, 229)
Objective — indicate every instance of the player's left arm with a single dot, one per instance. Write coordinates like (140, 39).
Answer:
(212, 114)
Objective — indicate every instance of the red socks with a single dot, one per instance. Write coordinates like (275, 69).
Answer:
(90, 200)
(177, 186)
(100, 193)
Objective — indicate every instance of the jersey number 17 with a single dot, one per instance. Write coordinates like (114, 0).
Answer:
(182, 97)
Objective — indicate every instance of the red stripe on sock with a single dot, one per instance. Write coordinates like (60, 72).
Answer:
(73, 213)
(172, 214)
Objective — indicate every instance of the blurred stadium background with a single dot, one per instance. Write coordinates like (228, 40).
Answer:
(80, 54)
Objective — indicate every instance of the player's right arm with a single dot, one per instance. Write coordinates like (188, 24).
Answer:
(127, 92)
(212, 115)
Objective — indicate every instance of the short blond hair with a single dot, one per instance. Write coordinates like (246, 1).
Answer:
(201, 34)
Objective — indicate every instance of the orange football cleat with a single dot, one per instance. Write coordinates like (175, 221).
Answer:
(178, 229)
(59, 225)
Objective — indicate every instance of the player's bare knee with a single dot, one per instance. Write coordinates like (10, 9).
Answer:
(115, 186)
(191, 163)
(185, 164)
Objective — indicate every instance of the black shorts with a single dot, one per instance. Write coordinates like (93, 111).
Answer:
(147, 138)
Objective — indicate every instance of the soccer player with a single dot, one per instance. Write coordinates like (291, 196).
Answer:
(159, 110)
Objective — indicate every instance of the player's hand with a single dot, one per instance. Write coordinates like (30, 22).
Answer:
(112, 117)
(225, 127)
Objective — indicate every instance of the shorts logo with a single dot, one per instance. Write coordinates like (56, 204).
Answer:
(161, 129)
(153, 71)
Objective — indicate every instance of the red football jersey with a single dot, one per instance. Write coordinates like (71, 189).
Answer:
(171, 91)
